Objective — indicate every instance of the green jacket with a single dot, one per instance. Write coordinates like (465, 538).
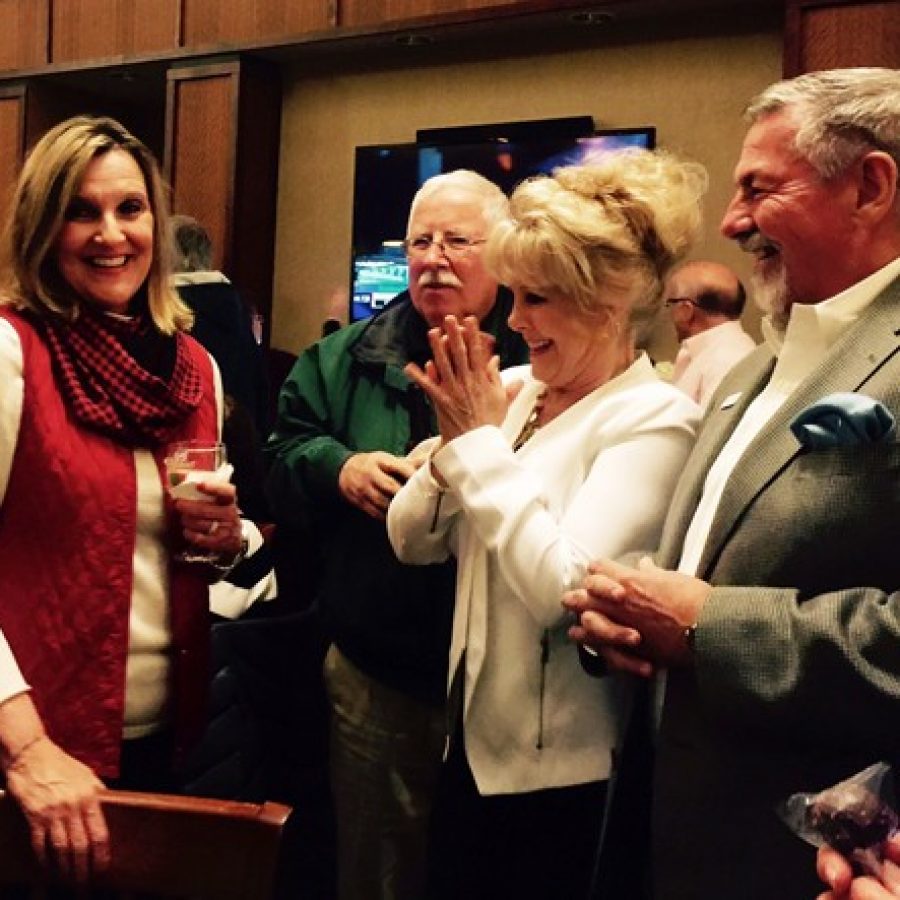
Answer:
(348, 393)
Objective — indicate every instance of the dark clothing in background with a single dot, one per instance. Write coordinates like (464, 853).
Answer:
(223, 325)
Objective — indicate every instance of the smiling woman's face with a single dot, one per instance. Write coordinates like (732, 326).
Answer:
(570, 350)
(105, 247)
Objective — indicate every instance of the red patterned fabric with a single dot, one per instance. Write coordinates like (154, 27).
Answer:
(109, 391)
(67, 534)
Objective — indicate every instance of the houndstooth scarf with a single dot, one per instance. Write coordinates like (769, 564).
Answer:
(122, 377)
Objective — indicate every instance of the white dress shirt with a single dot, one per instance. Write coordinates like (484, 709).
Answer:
(811, 332)
(704, 359)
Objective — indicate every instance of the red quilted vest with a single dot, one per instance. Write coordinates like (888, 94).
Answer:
(67, 532)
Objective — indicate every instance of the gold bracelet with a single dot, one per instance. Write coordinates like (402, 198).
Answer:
(23, 750)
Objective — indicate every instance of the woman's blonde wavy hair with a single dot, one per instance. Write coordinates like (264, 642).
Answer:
(603, 234)
(50, 179)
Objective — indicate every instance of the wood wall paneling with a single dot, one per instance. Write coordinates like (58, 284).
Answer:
(826, 35)
(12, 142)
(214, 22)
(256, 185)
(25, 33)
(222, 140)
(361, 13)
(201, 155)
(99, 29)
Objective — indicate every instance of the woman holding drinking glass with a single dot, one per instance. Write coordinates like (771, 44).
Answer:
(104, 638)
(579, 465)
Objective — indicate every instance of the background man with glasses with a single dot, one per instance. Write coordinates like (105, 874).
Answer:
(705, 301)
(347, 420)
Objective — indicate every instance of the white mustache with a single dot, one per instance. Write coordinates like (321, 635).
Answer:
(438, 279)
(755, 242)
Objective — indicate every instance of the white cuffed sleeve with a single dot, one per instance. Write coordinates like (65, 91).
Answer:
(12, 390)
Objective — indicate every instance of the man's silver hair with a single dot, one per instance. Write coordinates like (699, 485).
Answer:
(494, 202)
(841, 114)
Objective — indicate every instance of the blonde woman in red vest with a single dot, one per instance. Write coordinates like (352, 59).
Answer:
(102, 638)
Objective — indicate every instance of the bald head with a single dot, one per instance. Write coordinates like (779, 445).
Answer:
(714, 292)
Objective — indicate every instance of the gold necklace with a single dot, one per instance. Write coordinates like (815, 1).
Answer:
(532, 423)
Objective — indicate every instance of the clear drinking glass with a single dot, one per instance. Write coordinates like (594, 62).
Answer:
(186, 464)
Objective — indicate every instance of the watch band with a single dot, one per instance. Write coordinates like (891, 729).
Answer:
(223, 568)
(690, 636)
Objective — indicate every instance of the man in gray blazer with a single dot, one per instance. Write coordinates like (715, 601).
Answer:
(775, 606)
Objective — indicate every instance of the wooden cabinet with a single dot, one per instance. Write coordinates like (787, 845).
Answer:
(99, 29)
(368, 13)
(12, 143)
(824, 35)
(25, 35)
(213, 22)
(222, 140)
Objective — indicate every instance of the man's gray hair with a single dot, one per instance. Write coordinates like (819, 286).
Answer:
(841, 114)
(191, 245)
(494, 202)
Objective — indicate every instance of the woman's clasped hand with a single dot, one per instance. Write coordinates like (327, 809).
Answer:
(462, 379)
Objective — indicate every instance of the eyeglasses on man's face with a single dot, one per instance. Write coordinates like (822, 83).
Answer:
(450, 245)
(674, 301)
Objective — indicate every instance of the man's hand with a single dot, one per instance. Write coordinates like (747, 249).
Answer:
(370, 480)
(636, 618)
(835, 871)
(59, 797)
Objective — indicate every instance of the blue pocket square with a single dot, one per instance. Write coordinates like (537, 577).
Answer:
(843, 420)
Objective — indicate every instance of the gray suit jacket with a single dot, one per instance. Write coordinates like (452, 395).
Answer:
(797, 676)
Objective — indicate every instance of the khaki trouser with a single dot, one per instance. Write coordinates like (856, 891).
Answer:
(385, 755)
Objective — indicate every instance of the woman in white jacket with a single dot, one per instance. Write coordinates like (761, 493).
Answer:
(580, 465)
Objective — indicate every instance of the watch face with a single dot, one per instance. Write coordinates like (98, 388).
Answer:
(690, 636)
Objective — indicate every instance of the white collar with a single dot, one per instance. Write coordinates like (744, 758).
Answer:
(831, 317)
(697, 342)
(210, 277)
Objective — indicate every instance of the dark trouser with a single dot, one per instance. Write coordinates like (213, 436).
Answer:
(534, 846)
(146, 765)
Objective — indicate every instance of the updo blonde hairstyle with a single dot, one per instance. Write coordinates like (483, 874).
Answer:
(603, 234)
(50, 180)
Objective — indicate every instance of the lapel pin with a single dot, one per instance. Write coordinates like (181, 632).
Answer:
(730, 400)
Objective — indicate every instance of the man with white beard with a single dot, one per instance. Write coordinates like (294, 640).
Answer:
(773, 601)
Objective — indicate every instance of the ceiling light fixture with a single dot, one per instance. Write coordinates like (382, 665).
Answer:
(414, 40)
(591, 17)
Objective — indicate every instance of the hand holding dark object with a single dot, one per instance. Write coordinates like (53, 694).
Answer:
(851, 816)
(370, 480)
(836, 871)
(854, 823)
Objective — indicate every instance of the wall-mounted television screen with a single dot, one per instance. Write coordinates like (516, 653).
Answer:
(387, 177)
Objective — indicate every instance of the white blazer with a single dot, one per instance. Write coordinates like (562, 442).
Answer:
(594, 482)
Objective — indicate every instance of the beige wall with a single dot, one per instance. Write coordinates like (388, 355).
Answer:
(691, 88)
